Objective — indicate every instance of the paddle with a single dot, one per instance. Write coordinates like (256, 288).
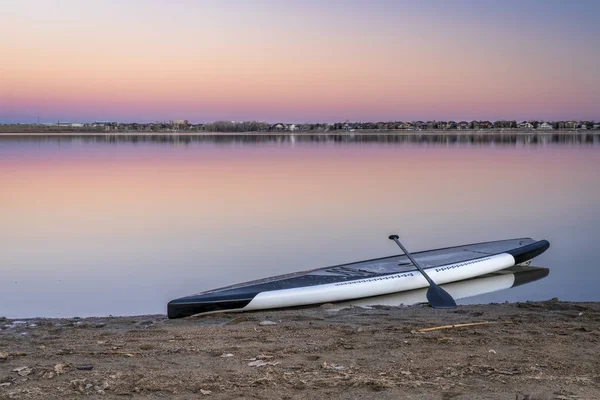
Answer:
(438, 297)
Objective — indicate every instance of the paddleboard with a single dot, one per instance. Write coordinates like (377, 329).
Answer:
(361, 279)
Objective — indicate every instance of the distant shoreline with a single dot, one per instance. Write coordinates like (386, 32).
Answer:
(465, 132)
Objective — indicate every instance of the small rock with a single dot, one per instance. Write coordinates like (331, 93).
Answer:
(23, 371)
(205, 392)
(333, 366)
(226, 355)
(267, 323)
(3, 356)
(5, 384)
(492, 351)
(261, 363)
(360, 329)
(48, 375)
(60, 368)
(406, 372)
(78, 384)
(85, 367)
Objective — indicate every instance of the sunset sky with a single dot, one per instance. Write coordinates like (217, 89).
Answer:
(299, 60)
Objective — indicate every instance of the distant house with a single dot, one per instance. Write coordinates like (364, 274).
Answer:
(475, 124)
(278, 127)
(420, 125)
(571, 125)
(596, 126)
(463, 125)
(178, 123)
(485, 125)
(405, 125)
(545, 126)
(525, 125)
(292, 127)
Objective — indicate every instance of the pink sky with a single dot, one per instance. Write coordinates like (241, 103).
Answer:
(298, 61)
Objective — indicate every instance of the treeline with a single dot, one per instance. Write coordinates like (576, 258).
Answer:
(256, 126)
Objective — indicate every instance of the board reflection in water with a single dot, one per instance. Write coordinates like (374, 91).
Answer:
(504, 279)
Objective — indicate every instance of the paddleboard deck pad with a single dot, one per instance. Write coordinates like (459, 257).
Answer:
(363, 279)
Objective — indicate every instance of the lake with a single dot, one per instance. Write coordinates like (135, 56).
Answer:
(121, 225)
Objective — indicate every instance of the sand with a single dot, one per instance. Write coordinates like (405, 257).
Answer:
(542, 350)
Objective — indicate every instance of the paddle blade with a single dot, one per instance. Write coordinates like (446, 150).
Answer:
(439, 298)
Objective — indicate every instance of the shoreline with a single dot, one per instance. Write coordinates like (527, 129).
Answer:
(531, 350)
(449, 133)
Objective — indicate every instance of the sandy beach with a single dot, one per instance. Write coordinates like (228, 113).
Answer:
(533, 350)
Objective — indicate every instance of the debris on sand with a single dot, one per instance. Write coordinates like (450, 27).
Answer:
(267, 323)
(23, 371)
(435, 328)
(60, 368)
(262, 363)
(333, 366)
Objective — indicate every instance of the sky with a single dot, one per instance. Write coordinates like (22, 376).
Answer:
(299, 60)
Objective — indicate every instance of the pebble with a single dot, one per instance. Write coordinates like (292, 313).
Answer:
(267, 323)
(60, 368)
(22, 371)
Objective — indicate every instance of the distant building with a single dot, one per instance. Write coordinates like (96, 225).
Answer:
(463, 125)
(278, 127)
(525, 125)
(571, 125)
(545, 126)
(176, 123)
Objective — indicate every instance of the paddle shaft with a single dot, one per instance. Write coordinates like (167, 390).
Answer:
(410, 257)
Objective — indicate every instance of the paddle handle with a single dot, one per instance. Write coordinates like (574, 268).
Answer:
(396, 238)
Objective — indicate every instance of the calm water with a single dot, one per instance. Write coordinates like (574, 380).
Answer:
(121, 226)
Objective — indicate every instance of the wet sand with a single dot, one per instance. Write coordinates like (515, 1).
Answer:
(542, 350)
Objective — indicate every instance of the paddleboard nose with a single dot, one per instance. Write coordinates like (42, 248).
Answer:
(526, 253)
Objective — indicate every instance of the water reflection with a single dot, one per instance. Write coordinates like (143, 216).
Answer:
(497, 281)
(286, 139)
